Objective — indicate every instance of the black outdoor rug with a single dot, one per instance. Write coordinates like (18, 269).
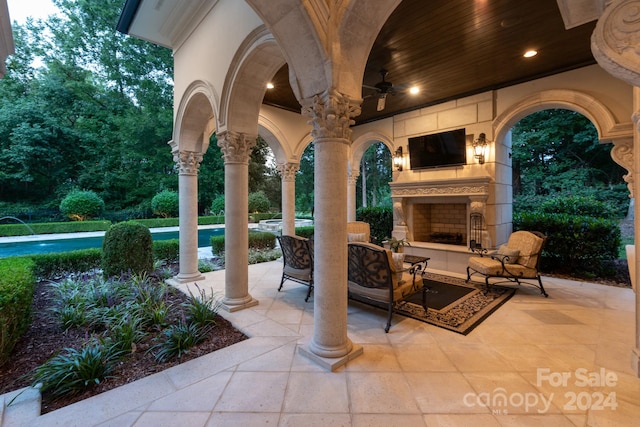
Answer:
(454, 304)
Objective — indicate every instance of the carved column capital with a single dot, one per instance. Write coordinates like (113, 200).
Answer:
(478, 204)
(188, 161)
(331, 114)
(615, 42)
(236, 147)
(288, 171)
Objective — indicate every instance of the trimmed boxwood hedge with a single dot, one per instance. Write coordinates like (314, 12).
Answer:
(127, 246)
(380, 220)
(16, 296)
(574, 243)
(257, 240)
(53, 227)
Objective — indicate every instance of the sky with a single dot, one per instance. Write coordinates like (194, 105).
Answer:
(19, 10)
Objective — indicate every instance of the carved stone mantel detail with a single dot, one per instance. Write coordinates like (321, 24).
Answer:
(288, 171)
(236, 147)
(331, 114)
(398, 211)
(615, 42)
(460, 187)
(622, 154)
(478, 205)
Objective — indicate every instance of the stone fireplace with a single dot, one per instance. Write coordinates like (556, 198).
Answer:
(438, 211)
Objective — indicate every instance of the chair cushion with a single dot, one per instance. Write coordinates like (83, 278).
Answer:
(492, 267)
(357, 237)
(298, 273)
(511, 255)
(530, 246)
(406, 288)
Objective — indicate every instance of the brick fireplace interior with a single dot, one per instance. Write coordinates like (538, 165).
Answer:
(440, 223)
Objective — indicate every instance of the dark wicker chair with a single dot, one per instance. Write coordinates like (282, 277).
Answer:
(297, 253)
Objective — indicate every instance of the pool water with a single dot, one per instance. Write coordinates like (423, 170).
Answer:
(65, 245)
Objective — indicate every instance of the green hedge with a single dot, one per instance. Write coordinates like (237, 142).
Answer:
(127, 247)
(16, 296)
(167, 250)
(257, 240)
(380, 220)
(257, 217)
(54, 264)
(306, 231)
(574, 243)
(53, 227)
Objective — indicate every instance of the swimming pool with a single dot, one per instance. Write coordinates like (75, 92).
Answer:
(45, 245)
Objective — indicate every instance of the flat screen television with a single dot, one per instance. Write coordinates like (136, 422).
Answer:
(438, 150)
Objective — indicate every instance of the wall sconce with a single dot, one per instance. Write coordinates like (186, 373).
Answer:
(479, 147)
(397, 159)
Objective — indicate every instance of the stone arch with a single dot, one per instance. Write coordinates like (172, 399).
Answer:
(195, 118)
(255, 63)
(609, 130)
(363, 142)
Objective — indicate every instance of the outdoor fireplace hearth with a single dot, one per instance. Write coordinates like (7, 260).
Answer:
(447, 238)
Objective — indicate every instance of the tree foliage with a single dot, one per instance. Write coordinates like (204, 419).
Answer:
(557, 153)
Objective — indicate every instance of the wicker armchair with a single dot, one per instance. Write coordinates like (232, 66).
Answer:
(297, 253)
(518, 259)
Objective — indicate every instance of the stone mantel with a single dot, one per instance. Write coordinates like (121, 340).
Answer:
(470, 186)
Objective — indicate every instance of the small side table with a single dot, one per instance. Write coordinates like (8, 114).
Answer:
(418, 266)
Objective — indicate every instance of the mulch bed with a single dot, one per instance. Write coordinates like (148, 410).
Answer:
(45, 338)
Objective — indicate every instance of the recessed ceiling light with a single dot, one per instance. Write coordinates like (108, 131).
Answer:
(530, 53)
(414, 90)
(270, 85)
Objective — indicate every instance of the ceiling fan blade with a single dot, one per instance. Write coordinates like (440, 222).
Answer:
(370, 87)
(382, 100)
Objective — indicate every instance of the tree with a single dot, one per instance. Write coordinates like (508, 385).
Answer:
(375, 175)
(557, 152)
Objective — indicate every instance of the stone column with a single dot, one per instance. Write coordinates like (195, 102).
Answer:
(330, 114)
(351, 194)
(188, 163)
(288, 172)
(614, 44)
(236, 148)
(635, 355)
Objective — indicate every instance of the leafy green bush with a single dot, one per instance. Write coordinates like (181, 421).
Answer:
(16, 296)
(256, 256)
(74, 370)
(127, 246)
(306, 231)
(259, 202)
(217, 206)
(165, 204)
(380, 220)
(577, 205)
(167, 250)
(217, 244)
(81, 205)
(177, 340)
(575, 243)
(54, 264)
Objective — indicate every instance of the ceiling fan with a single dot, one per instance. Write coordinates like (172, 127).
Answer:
(384, 88)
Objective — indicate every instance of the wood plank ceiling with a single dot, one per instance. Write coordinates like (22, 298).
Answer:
(454, 48)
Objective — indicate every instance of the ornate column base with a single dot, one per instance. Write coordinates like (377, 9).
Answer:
(635, 361)
(331, 363)
(182, 278)
(236, 304)
(400, 232)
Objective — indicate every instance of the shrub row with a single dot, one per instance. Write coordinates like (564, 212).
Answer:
(257, 240)
(575, 242)
(53, 227)
(306, 231)
(16, 296)
(380, 220)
